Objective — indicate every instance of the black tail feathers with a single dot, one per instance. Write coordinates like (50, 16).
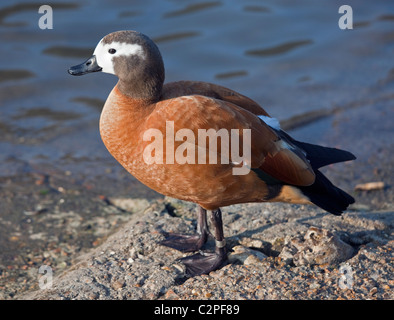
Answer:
(322, 192)
(327, 196)
(320, 156)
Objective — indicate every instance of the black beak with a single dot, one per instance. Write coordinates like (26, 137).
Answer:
(88, 66)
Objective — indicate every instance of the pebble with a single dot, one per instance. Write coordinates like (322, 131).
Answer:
(94, 296)
(373, 291)
(253, 243)
(246, 255)
(314, 285)
(118, 284)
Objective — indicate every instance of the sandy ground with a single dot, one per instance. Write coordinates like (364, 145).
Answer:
(271, 258)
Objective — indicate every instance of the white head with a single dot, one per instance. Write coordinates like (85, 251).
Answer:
(106, 52)
(133, 57)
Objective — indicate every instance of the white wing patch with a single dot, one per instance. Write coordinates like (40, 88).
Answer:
(272, 122)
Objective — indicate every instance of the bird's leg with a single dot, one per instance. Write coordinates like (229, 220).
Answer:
(203, 263)
(189, 243)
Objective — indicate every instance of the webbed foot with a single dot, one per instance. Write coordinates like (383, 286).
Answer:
(184, 242)
(204, 263)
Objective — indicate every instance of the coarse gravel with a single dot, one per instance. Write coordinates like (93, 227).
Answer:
(131, 264)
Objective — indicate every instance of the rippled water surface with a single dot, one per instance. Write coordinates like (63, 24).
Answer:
(290, 56)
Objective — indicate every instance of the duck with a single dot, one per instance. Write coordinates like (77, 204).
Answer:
(144, 121)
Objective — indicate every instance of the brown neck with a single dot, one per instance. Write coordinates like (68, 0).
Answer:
(147, 89)
(121, 120)
(138, 107)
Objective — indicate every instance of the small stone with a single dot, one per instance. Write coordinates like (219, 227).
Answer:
(86, 279)
(61, 265)
(252, 243)
(319, 246)
(166, 268)
(170, 294)
(314, 285)
(373, 291)
(133, 253)
(118, 284)
(252, 260)
(246, 255)
(130, 204)
(179, 267)
(93, 296)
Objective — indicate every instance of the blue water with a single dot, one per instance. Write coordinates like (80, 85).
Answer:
(290, 56)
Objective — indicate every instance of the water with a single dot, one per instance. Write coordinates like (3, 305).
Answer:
(290, 57)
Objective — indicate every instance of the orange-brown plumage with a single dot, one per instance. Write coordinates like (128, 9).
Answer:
(279, 167)
(210, 185)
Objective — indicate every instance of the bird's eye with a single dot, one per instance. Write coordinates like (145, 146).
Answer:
(111, 51)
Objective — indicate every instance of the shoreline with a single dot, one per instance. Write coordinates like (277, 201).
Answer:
(131, 265)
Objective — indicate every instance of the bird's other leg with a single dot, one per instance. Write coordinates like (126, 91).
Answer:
(192, 242)
(203, 263)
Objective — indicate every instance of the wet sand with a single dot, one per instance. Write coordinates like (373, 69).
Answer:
(326, 86)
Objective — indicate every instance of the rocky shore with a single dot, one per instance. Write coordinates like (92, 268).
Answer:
(275, 252)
